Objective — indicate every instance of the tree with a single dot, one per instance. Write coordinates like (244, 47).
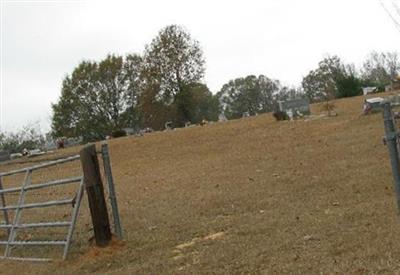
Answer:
(173, 61)
(320, 84)
(332, 79)
(98, 98)
(288, 93)
(348, 85)
(380, 69)
(194, 103)
(251, 94)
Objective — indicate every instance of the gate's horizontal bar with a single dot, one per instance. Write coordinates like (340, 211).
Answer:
(42, 185)
(26, 259)
(36, 225)
(43, 165)
(39, 204)
(34, 242)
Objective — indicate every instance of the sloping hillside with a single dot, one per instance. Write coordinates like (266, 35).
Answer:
(250, 196)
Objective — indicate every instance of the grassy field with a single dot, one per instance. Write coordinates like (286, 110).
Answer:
(250, 196)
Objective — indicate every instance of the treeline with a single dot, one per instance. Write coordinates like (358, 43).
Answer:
(29, 137)
(162, 84)
(335, 79)
(165, 84)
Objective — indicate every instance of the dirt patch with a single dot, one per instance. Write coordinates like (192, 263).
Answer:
(196, 240)
(96, 253)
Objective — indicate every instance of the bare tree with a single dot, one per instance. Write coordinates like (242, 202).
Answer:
(381, 68)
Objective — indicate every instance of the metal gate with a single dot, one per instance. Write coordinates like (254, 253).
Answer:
(14, 227)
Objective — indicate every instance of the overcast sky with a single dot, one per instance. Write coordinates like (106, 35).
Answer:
(42, 41)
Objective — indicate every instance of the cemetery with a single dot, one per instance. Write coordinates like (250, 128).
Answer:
(295, 107)
(194, 200)
(153, 137)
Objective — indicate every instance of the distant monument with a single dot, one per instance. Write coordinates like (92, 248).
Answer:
(297, 107)
(222, 117)
(4, 155)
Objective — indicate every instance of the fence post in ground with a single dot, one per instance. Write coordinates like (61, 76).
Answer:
(391, 139)
(111, 190)
(95, 192)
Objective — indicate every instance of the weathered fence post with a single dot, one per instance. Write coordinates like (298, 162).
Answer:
(95, 192)
(111, 189)
(391, 137)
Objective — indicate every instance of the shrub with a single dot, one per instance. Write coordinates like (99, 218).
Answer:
(279, 115)
(118, 133)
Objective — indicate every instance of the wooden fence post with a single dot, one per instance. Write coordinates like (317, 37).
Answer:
(95, 192)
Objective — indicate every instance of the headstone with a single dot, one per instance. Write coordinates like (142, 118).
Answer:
(296, 106)
(4, 155)
(368, 90)
(15, 155)
(222, 117)
(129, 131)
(168, 125)
(290, 114)
(372, 104)
(246, 114)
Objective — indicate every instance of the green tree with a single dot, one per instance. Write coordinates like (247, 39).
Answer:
(250, 94)
(173, 61)
(321, 84)
(194, 103)
(98, 98)
(332, 79)
(348, 85)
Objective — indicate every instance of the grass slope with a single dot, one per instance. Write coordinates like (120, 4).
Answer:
(249, 196)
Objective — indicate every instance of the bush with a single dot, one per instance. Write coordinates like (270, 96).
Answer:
(279, 115)
(118, 133)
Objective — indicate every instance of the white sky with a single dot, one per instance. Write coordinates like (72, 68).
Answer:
(42, 41)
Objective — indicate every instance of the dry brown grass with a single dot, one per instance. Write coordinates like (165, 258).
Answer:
(248, 196)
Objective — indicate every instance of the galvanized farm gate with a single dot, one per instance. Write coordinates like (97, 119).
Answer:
(14, 226)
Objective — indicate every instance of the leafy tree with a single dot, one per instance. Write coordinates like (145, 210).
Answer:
(175, 60)
(207, 105)
(332, 79)
(320, 84)
(251, 94)
(348, 85)
(194, 103)
(288, 93)
(98, 98)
